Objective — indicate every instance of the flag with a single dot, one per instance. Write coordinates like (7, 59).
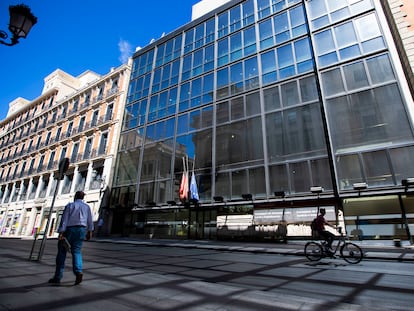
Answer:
(184, 183)
(193, 188)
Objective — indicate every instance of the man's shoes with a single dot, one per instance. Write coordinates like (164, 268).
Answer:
(79, 277)
(54, 281)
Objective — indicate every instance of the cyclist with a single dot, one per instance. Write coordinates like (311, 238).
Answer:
(320, 228)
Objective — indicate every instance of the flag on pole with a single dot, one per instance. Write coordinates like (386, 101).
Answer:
(193, 188)
(184, 183)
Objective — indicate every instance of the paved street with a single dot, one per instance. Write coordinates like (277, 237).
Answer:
(197, 275)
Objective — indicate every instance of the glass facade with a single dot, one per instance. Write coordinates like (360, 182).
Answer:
(264, 97)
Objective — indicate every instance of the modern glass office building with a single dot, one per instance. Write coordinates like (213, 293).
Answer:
(281, 107)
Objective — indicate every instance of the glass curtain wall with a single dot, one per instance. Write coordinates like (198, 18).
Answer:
(244, 95)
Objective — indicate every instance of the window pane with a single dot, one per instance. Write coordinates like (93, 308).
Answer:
(308, 89)
(207, 117)
(235, 42)
(302, 50)
(268, 61)
(237, 108)
(252, 104)
(321, 173)
(208, 58)
(257, 181)
(345, 35)
(266, 34)
(236, 78)
(250, 73)
(196, 87)
(222, 78)
(290, 95)
(349, 171)
(332, 82)
(317, 8)
(222, 83)
(249, 38)
(281, 24)
(355, 76)
(239, 183)
(402, 162)
(367, 27)
(223, 113)
(278, 178)
(299, 173)
(377, 169)
(182, 124)
(285, 56)
(222, 184)
(271, 98)
(208, 83)
(324, 42)
(195, 120)
(303, 130)
(380, 69)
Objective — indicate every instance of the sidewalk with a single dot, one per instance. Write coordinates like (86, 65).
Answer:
(373, 249)
(125, 278)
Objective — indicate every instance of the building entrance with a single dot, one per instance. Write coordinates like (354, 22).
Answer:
(203, 224)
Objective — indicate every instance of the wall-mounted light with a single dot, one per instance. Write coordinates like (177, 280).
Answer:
(218, 199)
(317, 189)
(21, 21)
(279, 194)
(360, 186)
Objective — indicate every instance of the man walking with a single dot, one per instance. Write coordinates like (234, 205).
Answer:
(76, 225)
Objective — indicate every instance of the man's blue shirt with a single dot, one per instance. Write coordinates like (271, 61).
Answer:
(77, 213)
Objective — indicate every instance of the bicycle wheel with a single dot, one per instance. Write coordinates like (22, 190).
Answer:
(351, 253)
(313, 251)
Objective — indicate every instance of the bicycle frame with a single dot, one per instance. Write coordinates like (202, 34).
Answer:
(350, 252)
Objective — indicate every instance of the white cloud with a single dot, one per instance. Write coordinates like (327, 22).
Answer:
(125, 50)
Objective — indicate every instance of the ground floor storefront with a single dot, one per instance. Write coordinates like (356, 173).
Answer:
(370, 217)
(29, 218)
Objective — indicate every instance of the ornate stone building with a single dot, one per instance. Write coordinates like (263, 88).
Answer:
(74, 117)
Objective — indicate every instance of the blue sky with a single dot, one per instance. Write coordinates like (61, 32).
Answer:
(78, 35)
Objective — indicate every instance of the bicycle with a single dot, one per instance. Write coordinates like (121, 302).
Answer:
(350, 252)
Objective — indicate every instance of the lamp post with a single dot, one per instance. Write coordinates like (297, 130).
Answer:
(63, 167)
(21, 21)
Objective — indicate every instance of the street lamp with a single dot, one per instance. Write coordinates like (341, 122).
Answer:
(21, 21)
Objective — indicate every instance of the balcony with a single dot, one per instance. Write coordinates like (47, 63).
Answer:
(97, 99)
(85, 104)
(40, 168)
(31, 195)
(112, 92)
(42, 193)
(66, 188)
